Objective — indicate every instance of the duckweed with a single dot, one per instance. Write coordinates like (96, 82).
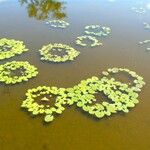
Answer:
(58, 23)
(51, 53)
(97, 30)
(16, 72)
(94, 41)
(10, 48)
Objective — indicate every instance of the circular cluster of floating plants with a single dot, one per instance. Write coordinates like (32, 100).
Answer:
(16, 72)
(97, 30)
(94, 41)
(58, 23)
(146, 25)
(138, 82)
(38, 101)
(10, 48)
(139, 10)
(145, 42)
(58, 53)
(121, 97)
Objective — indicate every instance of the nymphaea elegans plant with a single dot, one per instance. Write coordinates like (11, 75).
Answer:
(80, 41)
(146, 25)
(39, 99)
(58, 23)
(145, 42)
(121, 96)
(58, 52)
(97, 30)
(16, 72)
(10, 48)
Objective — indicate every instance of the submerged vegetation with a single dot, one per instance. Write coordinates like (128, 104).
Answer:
(58, 52)
(16, 72)
(10, 48)
(121, 96)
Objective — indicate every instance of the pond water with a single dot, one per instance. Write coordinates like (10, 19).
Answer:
(74, 129)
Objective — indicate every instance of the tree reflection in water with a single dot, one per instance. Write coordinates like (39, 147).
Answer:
(40, 9)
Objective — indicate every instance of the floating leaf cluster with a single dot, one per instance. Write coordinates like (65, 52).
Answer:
(47, 53)
(10, 48)
(58, 23)
(94, 41)
(42, 106)
(97, 30)
(121, 96)
(145, 42)
(139, 10)
(16, 72)
(146, 25)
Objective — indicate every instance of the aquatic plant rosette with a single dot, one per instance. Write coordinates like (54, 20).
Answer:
(145, 42)
(139, 10)
(121, 96)
(146, 25)
(16, 72)
(10, 48)
(95, 42)
(97, 30)
(57, 24)
(51, 52)
(43, 105)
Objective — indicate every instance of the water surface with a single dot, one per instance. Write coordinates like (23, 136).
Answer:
(74, 130)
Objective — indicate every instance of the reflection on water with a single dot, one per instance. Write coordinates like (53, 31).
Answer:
(40, 9)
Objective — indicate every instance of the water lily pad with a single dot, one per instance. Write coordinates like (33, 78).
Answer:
(10, 48)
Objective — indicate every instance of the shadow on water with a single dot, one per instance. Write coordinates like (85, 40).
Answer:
(40, 9)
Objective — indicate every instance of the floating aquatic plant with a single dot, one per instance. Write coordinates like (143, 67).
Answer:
(58, 23)
(139, 10)
(138, 80)
(58, 53)
(121, 96)
(43, 105)
(97, 30)
(10, 48)
(146, 25)
(16, 72)
(94, 41)
(145, 42)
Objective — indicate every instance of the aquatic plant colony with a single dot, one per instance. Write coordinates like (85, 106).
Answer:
(10, 48)
(16, 72)
(56, 48)
(57, 23)
(94, 41)
(146, 25)
(97, 30)
(145, 42)
(121, 96)
(139, 10)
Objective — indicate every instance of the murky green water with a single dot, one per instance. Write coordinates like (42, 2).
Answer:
(74, 130)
